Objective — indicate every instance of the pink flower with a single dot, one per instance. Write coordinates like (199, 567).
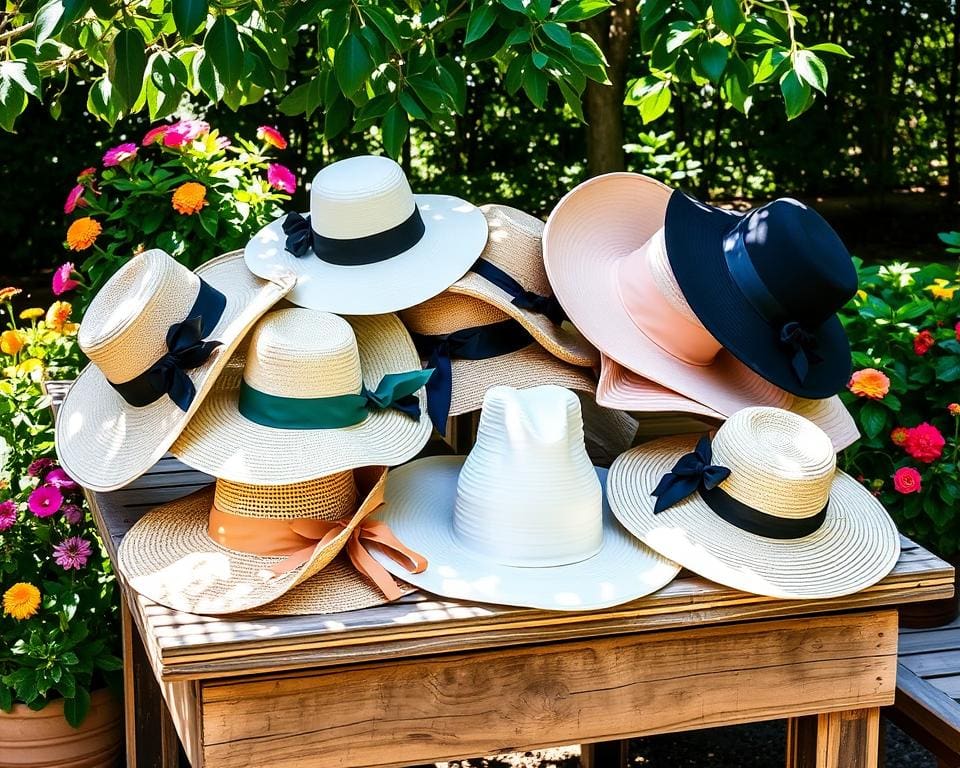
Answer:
(906, 480)
(223, 142)
(8, 514)
(281, 177)
(45, 501)
(75, 199)
(63, 279)
(72, 514)
(956, 330)
(60, 479)
(154, 135)
(39, 466)
(119, 154)
(184, 132)
(72, 553)
(924, 443)
(271, 136)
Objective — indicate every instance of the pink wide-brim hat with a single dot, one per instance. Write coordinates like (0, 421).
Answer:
(624, 390)
(605, 255)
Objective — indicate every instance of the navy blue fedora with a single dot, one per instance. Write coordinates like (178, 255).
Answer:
(767, 285)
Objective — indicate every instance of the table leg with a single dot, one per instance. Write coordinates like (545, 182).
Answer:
(605, 754)
(848, 739)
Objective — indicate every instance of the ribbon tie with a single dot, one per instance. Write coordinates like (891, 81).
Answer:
(299, 234)
(548, 306)
(691, 471)
(398, 391)
(803, 347)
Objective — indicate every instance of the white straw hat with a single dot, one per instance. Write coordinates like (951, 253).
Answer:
(313, 394)
(370, 245)
(522, 520)
(157, 336)
(284, 549)
(760, 508)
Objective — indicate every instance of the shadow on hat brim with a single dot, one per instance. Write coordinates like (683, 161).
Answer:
(857, 545)
(103, 442)
(694, 235)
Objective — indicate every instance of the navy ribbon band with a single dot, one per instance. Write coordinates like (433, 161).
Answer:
(751, 520)
(186, 350)
(520, 297)
(302, 239)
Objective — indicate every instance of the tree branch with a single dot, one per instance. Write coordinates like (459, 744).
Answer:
(13, 34)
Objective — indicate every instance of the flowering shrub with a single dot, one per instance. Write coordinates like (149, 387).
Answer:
(58, 616)
(904, 328)
(184, 188)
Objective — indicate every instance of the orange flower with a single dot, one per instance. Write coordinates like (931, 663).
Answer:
(21, 601)
(869, 382)
(189, 198)
(12, 342)
(899, 435)
(6, 294)
(954, 409)
(58, 315)
(83, 233)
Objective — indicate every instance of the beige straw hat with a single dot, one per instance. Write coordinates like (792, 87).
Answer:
(292, 549)
(761, 508)
(473, 345)
(157, 336)
(510, 276)
(312, 394)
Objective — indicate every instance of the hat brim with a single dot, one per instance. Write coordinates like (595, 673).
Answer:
(627, 391)
(856, 546)
(220, 441)
(694, 238)
(455, 233)
(420, 500)
(104, 442)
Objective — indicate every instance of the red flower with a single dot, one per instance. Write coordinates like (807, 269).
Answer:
(899, 435)
(271, 136)
(907, 480)
(924, 443)
(922, 342)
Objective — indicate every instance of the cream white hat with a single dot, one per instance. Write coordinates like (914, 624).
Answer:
(157, 336)
(761, 508)
(522, 520)
(312, 394)
(370, 245)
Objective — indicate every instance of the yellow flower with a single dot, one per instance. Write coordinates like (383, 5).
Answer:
(862, 295)
(31, 314)
(21, 600)
(189, 198)
(8, 293)
(12, 342)
(70, 329)
(941, 289)
(83, 233)
(58, 315)
(31, 367)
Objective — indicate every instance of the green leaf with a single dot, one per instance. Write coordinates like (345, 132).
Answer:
(796, 94)
(713, 59)
(395, 128)
(166, 83)
(535, 86)
(128, 61)
(385, 22)
(572, 98)
(873, 419)
(100, 101)
(336, 117)
(948, 368)
(830, 48)
(75, 710)
(679, 33)
(188, 15)
(409, 102)
(766, 66)
(6, 698)
(481, 19)
(303, 99)
(47, 20)
(736, 85)
(223, 48)
(519, 36)
(352, 64)
(23, 73)
(540, 8)
(811, 69)
(513, 79)
(539, 59)
(558, 33)
(586, 51)
(578, 10)
(728, 15)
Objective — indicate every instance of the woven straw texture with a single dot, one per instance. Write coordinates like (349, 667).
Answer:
(621, 388)
(104, 442)
(514, 245)
(301, 353)
(784, 466)
(169, 556)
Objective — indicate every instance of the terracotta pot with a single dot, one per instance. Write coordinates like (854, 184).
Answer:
(44, 739)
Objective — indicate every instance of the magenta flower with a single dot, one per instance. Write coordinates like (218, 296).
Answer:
(72, 553)
(184, 132)
(271, 136)
(154, 135)
(60, 479)
(282, 178)
(72, 514)
(119, 154)
(8, 514)
(39, 466)
(63, 279)
(45, 501)
(75, 199)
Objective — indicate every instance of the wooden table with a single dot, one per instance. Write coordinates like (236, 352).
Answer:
(426, 679)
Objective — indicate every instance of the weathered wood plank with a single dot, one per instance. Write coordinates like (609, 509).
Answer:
(848, 739)
(935, 713)
(605, 754)
(458, 705)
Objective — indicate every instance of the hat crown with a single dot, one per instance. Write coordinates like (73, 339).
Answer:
(328, 498)
(527, 494)
(450, 312)
(780, 463)
(303, 353)
(124, 329)
(359, 196)
(514, 244)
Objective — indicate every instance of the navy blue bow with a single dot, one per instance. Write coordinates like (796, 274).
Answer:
(299, 234)
(186, 350)
(690, 472)
(520, 297)
(803, 347)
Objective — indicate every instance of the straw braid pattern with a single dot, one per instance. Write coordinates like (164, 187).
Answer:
(329, 498)
(449, 312)
(513, 244)
(666, 283)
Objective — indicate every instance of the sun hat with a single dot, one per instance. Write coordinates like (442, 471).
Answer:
(473, 345)
(621, 388)
(510, 276)
(157, 336)
(236, 547)
(605, 249)
(522, 520)
(312, 394)
(368, 244)
(761, 508)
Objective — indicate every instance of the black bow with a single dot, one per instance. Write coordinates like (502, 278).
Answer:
(187, 350)
(299, 234)
(522, 298)
(803, 347)
(690, 472)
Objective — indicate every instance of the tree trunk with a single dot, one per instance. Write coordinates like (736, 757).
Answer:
(613, 32)
(950, 118)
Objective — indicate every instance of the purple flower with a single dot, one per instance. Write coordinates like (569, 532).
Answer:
(119, 154)
(8, 514)
(45, 501)
(60, 479)
(39, 466)
(72, 514)
(72, 553)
